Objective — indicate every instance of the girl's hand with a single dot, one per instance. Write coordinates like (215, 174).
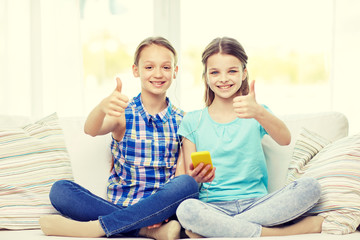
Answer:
(200, 173)
(246, 106)
(115, 104)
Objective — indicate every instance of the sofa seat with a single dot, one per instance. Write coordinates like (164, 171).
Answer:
(38, 235)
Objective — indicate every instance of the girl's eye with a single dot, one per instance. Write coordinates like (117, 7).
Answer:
(148, 67)
(233, 71)
(214, 72)
(167, 67)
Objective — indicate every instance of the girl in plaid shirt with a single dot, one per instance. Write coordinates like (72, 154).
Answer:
(145, 187)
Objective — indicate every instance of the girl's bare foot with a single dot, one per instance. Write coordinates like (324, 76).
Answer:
(311, 224)
(57, 225)
(167, 231)
(192, 235)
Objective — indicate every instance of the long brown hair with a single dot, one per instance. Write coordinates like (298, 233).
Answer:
(224, 45)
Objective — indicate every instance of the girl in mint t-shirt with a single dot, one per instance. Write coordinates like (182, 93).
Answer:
(234, 201)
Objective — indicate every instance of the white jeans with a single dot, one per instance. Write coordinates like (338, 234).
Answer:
(245, 217)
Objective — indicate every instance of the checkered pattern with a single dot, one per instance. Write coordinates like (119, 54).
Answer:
(146, 157)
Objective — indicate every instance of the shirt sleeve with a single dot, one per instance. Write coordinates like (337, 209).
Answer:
(186, 127)
(263, 132)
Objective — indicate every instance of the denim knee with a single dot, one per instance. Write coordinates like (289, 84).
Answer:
(188, 183)
(311, 188)
(188, 213)
(58, 192)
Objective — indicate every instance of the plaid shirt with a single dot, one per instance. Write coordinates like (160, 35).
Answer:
(146, 157)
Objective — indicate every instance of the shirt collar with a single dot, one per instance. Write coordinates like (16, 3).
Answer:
(159, 118)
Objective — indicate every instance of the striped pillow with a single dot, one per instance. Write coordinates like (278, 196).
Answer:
(306, 147)
(337, 168)
(32, 158)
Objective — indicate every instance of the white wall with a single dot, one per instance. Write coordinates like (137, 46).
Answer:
(346, 61)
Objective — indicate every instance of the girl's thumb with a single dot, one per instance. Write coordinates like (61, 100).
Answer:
(118, 84)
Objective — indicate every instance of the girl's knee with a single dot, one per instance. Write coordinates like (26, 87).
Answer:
(189, 183)
(59, 190)
(187, 211)
(60, 185)
(186, 206)
(311, 187)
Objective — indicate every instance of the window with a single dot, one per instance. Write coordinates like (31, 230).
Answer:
(14, 55)
(63, 55)
(289, 54)
(111, 31)
(288, 44)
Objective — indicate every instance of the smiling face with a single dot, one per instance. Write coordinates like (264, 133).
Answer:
(156, 69)
(225, 74)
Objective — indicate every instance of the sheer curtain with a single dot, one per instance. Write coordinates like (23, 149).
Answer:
(40, 58)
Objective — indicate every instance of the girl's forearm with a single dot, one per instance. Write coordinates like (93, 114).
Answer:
(275, 127)
(94, 121)
(180, 165)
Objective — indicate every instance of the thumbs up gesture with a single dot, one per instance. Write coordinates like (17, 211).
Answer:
(115, 104)
(246, 106)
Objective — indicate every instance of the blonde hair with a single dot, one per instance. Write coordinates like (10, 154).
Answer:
(160, 41)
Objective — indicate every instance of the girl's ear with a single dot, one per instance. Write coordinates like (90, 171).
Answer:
(244, 74)
(207, 80)
(135, 70)
(175, 72)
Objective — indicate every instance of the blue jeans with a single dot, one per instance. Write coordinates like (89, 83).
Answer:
(77, 203)
(245, 217)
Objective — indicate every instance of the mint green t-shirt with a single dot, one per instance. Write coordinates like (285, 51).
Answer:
(236, 152)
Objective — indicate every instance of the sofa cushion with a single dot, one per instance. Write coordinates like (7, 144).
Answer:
(337, 168)
(32, 158)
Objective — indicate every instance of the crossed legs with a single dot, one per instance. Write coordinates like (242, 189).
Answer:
(87, 215)
(255, 217)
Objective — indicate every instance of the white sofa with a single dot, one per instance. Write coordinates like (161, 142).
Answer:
(91, 159)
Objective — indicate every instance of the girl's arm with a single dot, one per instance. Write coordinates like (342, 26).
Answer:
(274, 126)
(98, 123)
(180, 165)
(247, 107)
(108, 115)
(200, 172)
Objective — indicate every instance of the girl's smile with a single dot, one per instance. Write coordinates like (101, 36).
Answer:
(158, 83)
(225, 86)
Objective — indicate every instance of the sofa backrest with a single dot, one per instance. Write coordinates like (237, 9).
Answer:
(330, 125)
(91, 157)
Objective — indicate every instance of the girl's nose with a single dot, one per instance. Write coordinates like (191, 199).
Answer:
(223, 78)
(158, 72)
